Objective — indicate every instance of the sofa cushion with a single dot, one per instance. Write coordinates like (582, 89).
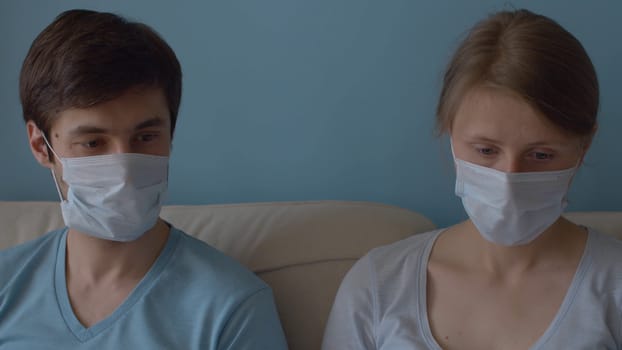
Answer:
(269, 236)
(609, 222)
(301, 249)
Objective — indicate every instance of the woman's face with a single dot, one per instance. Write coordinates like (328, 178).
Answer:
(499, 130)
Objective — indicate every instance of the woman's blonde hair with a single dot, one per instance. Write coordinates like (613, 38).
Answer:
(532, 56)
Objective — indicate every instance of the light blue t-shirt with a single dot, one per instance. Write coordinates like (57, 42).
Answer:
(193, 297)
(381, 303)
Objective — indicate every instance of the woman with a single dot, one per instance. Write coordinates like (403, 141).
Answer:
(519, 102)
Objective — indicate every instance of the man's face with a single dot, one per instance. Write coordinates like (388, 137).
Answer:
(136, 122)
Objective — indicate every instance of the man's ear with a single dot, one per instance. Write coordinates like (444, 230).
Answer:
(37, 145)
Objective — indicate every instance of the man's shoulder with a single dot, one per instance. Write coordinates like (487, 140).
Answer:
(207, 266)
(24, 257)
(31, 248)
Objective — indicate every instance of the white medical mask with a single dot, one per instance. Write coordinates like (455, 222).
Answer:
(511, 208)
(115, 197)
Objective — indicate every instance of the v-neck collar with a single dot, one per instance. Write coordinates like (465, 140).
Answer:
(579, 274)
(82, 333)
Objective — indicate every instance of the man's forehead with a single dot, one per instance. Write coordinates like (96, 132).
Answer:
(134, 109)
(75, 123)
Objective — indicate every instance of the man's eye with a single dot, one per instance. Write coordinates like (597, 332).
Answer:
(147, 137)
(91, 144)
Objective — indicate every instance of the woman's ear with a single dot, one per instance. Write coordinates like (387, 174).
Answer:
(38, 146)
(585, 144)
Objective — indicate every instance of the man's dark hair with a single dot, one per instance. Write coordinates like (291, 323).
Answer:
(85, 57)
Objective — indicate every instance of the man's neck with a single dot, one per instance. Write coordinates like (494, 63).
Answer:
(91, 260)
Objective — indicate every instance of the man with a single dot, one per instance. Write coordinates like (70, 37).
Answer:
(100, 97)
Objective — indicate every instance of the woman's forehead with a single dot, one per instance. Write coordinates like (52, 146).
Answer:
(499, 115)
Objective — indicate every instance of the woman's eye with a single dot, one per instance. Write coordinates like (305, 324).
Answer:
(487, 151)
(542, 156)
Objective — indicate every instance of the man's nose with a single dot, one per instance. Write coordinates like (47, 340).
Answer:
(120, 146)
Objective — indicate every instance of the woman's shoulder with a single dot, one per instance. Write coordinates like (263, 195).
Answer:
(398, 254)
(605, 243)
(605, 248)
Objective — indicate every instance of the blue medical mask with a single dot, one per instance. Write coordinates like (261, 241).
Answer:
(115, 197)
(511, 208)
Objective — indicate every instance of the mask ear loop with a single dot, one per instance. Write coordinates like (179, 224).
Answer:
(575, 170)
(60, 194)
(451, 146)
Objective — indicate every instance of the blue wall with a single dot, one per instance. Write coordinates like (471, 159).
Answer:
(322, 99)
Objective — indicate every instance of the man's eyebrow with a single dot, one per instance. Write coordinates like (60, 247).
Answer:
(89, 129)
(155, 121)
(86, 129)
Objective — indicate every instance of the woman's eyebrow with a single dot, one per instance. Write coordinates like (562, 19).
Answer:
(479, 138)
(546, 143)
(484, 139)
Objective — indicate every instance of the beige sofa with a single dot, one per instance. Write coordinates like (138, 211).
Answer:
(301, 249)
